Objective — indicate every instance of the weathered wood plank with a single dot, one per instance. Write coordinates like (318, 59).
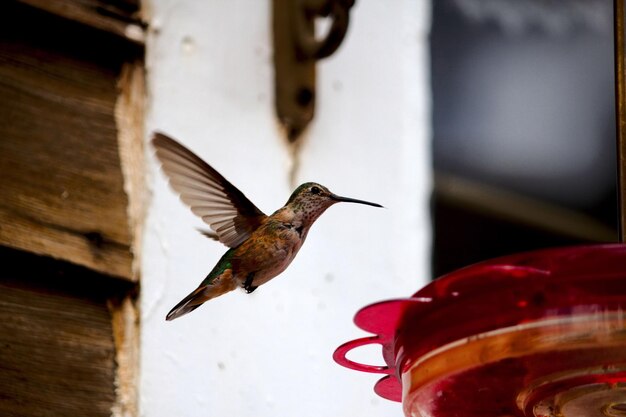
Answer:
(47, 239)
(57, 349)
(61, 183)
(71, 187)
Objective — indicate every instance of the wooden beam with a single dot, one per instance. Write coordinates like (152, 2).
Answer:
(32, 235)
(64, 193)
(56, 353)
(67, 339)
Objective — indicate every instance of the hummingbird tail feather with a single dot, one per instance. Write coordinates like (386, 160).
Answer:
(220, 285)
(187, 304)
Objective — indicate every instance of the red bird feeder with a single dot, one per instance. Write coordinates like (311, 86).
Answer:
(535, 334)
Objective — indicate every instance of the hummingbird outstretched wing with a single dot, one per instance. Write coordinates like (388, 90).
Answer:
(220, 204)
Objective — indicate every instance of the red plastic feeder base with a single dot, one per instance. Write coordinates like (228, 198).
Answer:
(538, 334)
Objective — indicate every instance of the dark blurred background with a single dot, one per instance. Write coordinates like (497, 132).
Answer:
(524, 127)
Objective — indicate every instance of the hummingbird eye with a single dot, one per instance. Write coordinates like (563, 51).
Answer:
(315, 190)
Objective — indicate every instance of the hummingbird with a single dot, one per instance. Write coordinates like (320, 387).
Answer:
(260, 246)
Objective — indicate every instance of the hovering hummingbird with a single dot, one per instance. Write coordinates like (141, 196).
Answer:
(261, 246)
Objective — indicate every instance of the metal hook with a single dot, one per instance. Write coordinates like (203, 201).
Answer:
(309, 47)
(296, 48)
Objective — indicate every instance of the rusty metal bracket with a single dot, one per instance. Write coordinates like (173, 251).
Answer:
(296, 49)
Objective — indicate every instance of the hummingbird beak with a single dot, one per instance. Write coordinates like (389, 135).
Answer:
(352, 200)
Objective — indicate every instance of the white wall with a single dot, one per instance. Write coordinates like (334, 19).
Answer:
(211, 86)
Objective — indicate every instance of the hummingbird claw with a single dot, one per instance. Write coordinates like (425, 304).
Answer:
(247, 285)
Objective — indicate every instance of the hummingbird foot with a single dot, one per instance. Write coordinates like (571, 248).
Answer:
(247, 285)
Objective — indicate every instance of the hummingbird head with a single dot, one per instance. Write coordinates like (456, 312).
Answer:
(310, 200)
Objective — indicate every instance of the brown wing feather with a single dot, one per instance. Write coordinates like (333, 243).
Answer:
(209, 195)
